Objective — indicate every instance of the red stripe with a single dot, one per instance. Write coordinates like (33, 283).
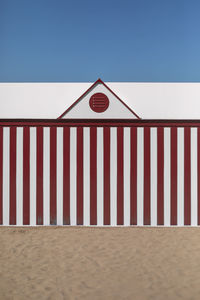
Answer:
(53, 144)
(106, 150)
(187, 177)
(147, 176)
(80, 176)
(12, 175)
(93, 175)
(120, 176)
(133, 178)
(39, 190)
(174, 176)
(160, 174)
(66, 176)
(26, 176)
(1, 175)
(99, 123)
(198, 172)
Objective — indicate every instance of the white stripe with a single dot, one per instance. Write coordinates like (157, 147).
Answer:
(6, 173)
(19, 177)
(113, 176)
(167, 177)
(46, 175)
(140, 176)
(100, 176)
(59, 176)
(127, 163)
(73, 179)
(86, 176)
(153, 176)
(194, 206)
(180, 171)
(33, 176)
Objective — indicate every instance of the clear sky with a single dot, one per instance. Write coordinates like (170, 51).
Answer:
(74, 40)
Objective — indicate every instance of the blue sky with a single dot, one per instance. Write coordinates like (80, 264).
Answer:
(73, 40)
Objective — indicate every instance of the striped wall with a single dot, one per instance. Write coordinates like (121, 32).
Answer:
(99, 175)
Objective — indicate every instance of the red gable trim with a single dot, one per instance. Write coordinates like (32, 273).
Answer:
(98, 81)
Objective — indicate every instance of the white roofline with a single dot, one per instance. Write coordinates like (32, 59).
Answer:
(150, 100)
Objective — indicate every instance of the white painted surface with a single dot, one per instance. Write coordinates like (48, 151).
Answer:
(33, 154)
(6, 174)
(100, 185)
(153, 154)
(194, 203)
(167, 177)
(46, 175)
(140, 176)
(180, 174)
(73, 172)
(149, 100)
(86, 176)
(59, 173)
(19, 176)
(127, 164)
(115, 110)
(113, 176)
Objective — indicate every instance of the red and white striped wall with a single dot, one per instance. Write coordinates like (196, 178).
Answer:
(132, 173)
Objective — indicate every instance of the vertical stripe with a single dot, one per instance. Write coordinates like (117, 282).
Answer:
(194, 207)
(19, 195)
(66, 176)
(180, 174)
(86, 177)
(59, 172)
(53, 143)
(198, 172)
(33, 174)
(187, 177)
(1, 175)
(46, 176)
(153, 176)
(140, 175)
(106, 167)
(26, 176)
(113, 176)
(120, 176)
(126, 158)
(39, 186)
(100, 176)
(6, 163)
(173, 176)
(73, 169)
(133, 177)
(93, 176)
(160, 173)
(167, 176)
(12, 176)
(79, 176)
(147, 176)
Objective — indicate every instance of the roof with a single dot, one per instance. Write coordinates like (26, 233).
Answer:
(116, 107)
(148, 100)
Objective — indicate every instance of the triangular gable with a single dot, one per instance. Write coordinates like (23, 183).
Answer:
(99, 102)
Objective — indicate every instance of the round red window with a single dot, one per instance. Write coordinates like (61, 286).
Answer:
(99, 102)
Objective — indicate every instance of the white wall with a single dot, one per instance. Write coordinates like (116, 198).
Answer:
(148, 100)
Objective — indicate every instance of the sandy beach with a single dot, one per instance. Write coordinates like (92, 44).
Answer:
(99, 263)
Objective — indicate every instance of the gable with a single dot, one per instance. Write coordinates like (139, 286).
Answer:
(99, 102)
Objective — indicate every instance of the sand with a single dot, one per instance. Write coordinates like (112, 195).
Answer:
(99, 263)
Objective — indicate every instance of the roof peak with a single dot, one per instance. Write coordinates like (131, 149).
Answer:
(105, 89)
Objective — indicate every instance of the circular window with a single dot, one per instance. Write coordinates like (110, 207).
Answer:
(99, 102)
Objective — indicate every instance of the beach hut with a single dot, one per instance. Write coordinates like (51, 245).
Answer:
(100, 164)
